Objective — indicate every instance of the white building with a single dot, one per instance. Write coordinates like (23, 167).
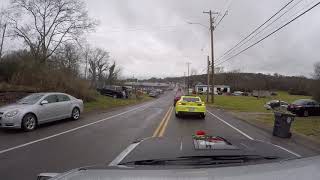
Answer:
(202, 88)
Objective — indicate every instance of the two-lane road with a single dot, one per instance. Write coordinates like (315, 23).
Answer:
(99, 138)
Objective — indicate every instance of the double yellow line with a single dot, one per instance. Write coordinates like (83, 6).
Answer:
(163, 124)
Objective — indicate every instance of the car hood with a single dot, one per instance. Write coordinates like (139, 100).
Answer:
(285, 168)
(169, 148)
(14, 106)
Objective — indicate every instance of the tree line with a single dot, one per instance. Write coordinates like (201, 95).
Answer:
(54, 55)
(239, 81)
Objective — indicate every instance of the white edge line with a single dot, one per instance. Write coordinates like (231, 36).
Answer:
(241, 132)
(289, 151)
(123, 154)
(249, 137)
(73, 129)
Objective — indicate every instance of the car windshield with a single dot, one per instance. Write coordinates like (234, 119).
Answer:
(300, 102)
(191, 99)
(31, 99)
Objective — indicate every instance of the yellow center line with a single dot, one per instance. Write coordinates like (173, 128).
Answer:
(166, 123)
(156, 132)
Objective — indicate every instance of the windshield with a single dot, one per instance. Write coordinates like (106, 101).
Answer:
(101, 75)
(191, 99)
(300, 102)
(31, 99)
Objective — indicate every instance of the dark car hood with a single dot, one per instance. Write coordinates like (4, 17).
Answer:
(157, 148)
(168, 148)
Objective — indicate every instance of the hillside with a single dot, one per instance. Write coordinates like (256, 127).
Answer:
(251, 81)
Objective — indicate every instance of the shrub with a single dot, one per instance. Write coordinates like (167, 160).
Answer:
(43, 78)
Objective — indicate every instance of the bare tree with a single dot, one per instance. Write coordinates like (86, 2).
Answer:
(98, 64)
(3, 29)
(316, 85)
(113, 74)
(46, 24)
(317, 71)
(68, 57)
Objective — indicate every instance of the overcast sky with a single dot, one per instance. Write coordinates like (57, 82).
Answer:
(152, 38)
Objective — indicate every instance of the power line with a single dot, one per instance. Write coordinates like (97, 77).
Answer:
(279, 18)
(245, 42)
(271, 33)
(256, 29)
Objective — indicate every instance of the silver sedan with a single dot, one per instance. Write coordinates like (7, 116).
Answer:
(39, 108)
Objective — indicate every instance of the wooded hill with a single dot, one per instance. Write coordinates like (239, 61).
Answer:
(251, 81)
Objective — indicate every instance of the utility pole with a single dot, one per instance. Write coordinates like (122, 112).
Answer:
(2, 39)
(184, 79)
(212, 50)
(208, 78)
(188, 63)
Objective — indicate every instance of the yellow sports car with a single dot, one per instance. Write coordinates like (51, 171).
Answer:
(190, 105)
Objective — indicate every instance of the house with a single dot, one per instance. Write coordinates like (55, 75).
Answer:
(202, 88)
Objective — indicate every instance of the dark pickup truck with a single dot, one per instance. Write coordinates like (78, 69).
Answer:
(112, 93)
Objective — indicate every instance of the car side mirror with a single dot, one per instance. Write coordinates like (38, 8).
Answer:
(44, 102)
(46, 176)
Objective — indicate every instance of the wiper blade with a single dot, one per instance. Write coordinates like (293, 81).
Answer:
(233, 157)
(202, 160)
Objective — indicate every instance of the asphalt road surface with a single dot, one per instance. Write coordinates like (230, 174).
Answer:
(98, 138)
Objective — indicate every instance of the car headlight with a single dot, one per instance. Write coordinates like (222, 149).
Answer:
(12, 113)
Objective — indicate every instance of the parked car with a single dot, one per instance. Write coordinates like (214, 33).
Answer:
(111, 93)
(276, 104)
(305, 107)
(39, 108)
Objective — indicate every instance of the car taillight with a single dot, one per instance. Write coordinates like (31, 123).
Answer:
(201, 104)
(181, 103)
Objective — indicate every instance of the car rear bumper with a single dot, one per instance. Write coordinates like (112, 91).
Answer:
(190, 109)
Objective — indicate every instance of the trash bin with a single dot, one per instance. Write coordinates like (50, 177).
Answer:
(282, 124)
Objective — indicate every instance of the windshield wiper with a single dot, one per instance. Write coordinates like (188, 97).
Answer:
(202, 160)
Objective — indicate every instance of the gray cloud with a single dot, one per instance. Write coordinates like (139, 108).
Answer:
(151, 38)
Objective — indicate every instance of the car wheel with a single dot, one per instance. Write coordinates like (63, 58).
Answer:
(202, 115)
(29, 122)
(75, 115)
(177, 114)
(305, 113)
(115, 96)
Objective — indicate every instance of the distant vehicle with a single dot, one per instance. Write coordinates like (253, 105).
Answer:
(237, 93)
(177, 96)
(190, 105)
(111, 93)
(276, 104)
(154, 94)
(39, 108)
(305, 107)
(160, 91)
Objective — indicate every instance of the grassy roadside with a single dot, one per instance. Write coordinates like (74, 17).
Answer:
(105, 102)
(251, 109)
